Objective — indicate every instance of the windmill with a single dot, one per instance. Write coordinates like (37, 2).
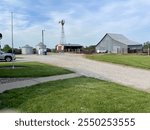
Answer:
(62, 40)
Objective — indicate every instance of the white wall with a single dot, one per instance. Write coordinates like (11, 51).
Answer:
(111, 46)
(40, 49)
(27, 51)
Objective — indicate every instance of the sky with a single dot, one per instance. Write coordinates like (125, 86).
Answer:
(86, 21)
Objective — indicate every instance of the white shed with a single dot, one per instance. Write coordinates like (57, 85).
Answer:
(40, 48)
(26, 50)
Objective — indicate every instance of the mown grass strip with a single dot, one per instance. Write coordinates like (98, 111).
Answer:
(76, 95)
(139, 61)
(30, 69)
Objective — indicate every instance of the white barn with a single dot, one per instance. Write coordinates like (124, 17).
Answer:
(117, 43)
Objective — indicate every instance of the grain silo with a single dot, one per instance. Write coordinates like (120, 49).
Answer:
(27, 50)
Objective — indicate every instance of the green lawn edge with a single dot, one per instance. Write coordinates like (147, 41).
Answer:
(137, 61)
(30, 69)
(79, 95)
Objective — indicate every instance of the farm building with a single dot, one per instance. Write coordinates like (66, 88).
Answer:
(26, 50)
(69, 48)
(41, 48)
(117, 43)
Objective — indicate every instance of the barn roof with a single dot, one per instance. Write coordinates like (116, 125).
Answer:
(73, 45)
(122, 39)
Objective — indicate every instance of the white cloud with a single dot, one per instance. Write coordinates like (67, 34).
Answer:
(86, 23)
(14, 2)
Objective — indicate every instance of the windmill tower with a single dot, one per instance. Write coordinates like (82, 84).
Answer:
(62, 40)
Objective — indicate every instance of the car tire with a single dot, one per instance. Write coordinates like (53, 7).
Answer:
(8, 59)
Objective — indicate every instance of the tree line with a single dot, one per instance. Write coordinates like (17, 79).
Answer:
(8, 49)
(87, 49)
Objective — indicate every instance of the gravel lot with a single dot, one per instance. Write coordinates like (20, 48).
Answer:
(137, 78)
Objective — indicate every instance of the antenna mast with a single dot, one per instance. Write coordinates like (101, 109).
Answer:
(62, 40)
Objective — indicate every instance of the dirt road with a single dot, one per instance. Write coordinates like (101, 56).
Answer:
(137, 78)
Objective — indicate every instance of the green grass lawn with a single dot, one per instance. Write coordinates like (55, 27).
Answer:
(130, 60)
(30, 69)
(76, 95)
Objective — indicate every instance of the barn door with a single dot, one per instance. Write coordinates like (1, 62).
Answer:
(116, 49)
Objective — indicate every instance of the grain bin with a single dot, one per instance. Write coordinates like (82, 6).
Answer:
(27, 50)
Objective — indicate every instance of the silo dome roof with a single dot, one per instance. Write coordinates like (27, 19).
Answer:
(40, 44)
(26, 46)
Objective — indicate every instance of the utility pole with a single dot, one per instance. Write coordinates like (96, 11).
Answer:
(148, 49)
(0, 40)
(43, 36)
(0, 45)
(12, 38)
(12, 33)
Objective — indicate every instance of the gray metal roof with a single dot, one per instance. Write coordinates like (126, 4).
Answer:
(72, 44)
(122, 39)
(40, 44)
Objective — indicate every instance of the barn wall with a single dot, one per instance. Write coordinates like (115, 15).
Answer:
(118, 47)
(104, 44)
(111, 45)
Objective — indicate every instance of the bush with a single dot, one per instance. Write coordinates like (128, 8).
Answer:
(17, 51)
(7, 48)
(89, 50)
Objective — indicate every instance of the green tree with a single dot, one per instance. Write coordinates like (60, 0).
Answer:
(89, 49)
(7, 48)
(147, 45)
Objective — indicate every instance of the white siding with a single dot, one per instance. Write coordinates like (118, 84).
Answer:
(40, 48)
(27, 51)
(112, 46)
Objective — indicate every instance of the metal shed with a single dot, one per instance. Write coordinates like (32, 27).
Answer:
(26, 50)
(69, 48)
(41, 48)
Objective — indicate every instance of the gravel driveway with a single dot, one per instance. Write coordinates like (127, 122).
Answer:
(137, 78)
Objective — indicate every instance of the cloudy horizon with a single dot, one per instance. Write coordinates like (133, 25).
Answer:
(86, 21)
